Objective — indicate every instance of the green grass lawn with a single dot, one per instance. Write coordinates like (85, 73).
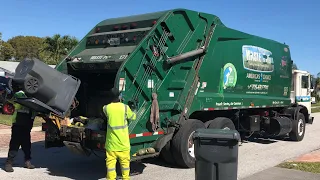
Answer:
(315, 110)
(317, 104)
(6, 120)
(313, 167)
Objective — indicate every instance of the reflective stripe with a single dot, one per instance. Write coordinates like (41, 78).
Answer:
(111, 169)
(105, 110)
(125, 169)
(117, 127)
(125, 113)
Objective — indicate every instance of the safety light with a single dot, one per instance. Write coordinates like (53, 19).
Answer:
(154, 22)
(97, 29)
(124, 27)
(116, 27)
(155, 50)
(133, 25)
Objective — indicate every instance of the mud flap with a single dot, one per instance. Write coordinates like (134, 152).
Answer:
(76, 148)
(162, 141)
(310, 120)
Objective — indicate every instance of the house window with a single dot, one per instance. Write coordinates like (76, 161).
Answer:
(305, 82)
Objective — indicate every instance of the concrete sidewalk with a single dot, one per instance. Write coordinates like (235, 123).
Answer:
(277, 173)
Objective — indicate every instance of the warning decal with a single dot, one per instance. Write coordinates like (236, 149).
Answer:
(122, 85)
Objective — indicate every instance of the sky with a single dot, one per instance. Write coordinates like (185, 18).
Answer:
(296, 23)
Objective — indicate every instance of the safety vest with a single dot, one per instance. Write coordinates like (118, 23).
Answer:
(117, 136)
(21, 114)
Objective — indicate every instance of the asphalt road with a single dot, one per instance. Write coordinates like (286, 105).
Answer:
(59, 163)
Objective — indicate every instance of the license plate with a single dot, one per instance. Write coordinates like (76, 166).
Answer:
(114, 41)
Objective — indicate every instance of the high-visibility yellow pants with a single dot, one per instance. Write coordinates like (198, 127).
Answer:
(111, 160)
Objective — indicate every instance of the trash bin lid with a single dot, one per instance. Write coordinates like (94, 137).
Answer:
(217, 134)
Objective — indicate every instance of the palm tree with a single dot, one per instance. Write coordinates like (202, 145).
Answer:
(58, 46)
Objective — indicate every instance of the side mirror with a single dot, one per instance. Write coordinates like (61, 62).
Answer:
(311, 86)
(312, 82)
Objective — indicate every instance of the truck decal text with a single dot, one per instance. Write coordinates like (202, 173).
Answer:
(259, 77)
(257, 59)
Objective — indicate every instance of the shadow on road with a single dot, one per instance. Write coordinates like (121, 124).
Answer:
(61, 162)
(159, 162)
(261, 140)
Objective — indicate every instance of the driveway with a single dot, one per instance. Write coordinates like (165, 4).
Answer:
(59, 163)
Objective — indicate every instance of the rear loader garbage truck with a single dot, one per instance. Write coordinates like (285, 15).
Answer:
(179, 70)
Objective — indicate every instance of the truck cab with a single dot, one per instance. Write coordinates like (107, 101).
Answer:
(301, 89)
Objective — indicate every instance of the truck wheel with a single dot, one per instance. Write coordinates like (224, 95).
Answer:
(298, 128)
(182, 143)
(166, 154)
(221, 123)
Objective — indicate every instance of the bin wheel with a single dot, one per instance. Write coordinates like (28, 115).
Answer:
(31, 85)
(166, 154)
(182, 143)
(221, 123)
(298, 128)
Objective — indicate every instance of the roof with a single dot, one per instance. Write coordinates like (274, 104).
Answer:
(138, 17)
(300, 71)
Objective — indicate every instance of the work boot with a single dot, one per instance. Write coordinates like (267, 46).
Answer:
(8, 166)
(28, 165)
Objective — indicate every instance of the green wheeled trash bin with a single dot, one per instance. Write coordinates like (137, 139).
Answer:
(216, 153)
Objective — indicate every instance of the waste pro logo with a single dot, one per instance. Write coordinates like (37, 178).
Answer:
(257, 59)
(229, 76)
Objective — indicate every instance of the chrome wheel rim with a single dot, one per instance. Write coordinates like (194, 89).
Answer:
(191, 146)
(300, 127)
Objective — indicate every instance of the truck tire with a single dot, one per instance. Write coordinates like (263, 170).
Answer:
(182, 143)
(221, 123)
(166, 154)
(298, 128)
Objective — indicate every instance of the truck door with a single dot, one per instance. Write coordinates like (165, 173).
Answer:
(303, 95)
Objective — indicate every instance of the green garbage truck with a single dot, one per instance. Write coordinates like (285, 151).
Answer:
(179, 70)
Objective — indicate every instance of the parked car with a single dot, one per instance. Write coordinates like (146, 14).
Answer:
(5, 106)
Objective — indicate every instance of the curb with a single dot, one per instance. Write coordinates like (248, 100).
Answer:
(312, 156)
(8, 131)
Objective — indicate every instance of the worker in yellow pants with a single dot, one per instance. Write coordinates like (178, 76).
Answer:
(124, 158)
(117, 138)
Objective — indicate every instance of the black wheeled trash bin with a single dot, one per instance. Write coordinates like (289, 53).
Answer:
(48, 90)
(216, 153)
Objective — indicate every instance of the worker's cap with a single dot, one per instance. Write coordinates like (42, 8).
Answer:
(115, 92)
